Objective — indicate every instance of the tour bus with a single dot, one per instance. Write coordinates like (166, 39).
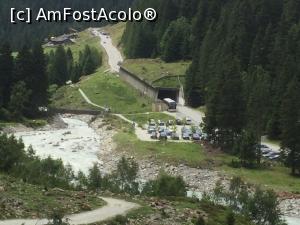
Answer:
(172, 105)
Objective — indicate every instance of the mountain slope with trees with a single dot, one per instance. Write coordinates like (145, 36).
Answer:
(40, 30)
(245, 64)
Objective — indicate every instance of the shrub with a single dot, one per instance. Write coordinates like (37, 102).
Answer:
(165, 186)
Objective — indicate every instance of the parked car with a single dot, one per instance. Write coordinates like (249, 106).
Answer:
(186, 136)
(188, 121)
(196, 137)
(153, 135)
(265, 151)
(163, 136)
(168, 132)
(175, 136)
(187, 131)
(161, 129)
(274, 156)
(178, 122)
(151, 129)
(271, 153)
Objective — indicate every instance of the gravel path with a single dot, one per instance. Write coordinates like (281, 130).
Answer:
(113, 208)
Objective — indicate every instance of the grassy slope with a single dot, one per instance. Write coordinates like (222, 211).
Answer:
(153, 69)
(70, 98)
(28, 201)
(104, 89)
(107, 89)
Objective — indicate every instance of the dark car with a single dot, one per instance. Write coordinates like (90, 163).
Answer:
(178, 122)
(168, 132)
(186, 136)
(163, 136)
(196, 137)
(187, 131)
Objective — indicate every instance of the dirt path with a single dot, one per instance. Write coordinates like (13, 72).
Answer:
(113, 208)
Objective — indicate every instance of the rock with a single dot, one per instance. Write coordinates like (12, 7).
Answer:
(85, 206)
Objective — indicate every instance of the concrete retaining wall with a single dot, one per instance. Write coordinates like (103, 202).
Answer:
(137, 83)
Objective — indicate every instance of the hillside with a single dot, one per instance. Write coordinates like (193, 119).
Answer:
(39, 31)
(244, 68)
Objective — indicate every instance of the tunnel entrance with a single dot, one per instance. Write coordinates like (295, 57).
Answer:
(171, 93)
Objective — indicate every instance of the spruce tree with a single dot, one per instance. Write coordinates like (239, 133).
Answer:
(6, 73)
(39, 96)
(59, 69)
(290, 122)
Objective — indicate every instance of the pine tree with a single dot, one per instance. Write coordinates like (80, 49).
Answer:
(59, 68)
(258, 88)
(247, 147)
(175, 42)
(231, 107)
(290, 122)
(18, 100)
(70, 63)
(6, 73)
(24, 67)
(39, 96)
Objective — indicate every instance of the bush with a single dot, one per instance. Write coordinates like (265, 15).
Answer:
(199, 221)
(94, 178)
(12, 153)
(56, 218)
(230, 219)
(166, 186)
(119, 220)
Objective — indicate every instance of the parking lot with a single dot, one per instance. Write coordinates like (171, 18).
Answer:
(184, 130)
(173, 130)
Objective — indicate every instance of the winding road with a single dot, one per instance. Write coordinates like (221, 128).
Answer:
(113, 208)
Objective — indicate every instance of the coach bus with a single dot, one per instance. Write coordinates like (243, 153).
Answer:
(172, 105)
